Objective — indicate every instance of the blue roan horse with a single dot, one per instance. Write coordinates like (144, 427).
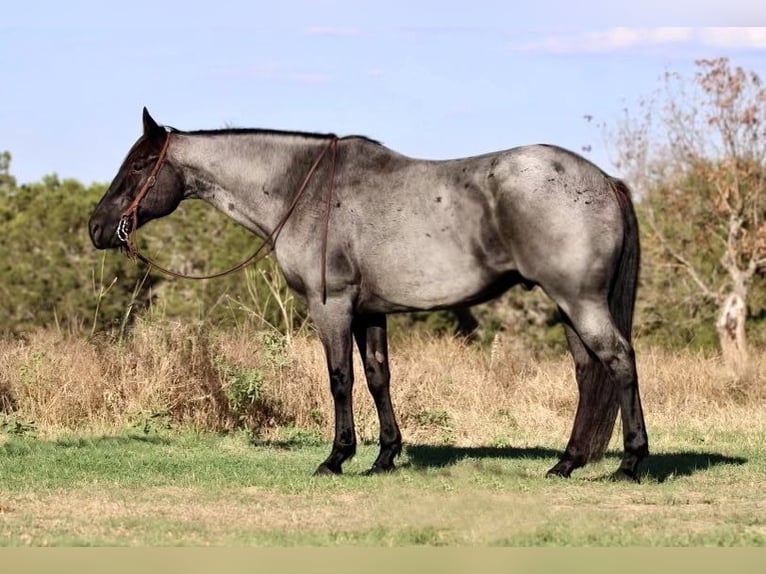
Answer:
(361, 231)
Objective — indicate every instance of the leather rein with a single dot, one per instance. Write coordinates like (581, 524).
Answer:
(126, 229)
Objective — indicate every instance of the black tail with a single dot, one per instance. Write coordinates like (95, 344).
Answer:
(622, 298)
(599, 399)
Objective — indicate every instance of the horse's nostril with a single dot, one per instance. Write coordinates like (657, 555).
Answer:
(95, 232)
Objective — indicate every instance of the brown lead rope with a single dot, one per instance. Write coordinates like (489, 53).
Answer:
(129, 221)
(328, 210)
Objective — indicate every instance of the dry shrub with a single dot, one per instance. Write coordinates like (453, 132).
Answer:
(55, 380)
(7, 396)
(60, 380)
(442, 389)
(169, 368)
(698, 389)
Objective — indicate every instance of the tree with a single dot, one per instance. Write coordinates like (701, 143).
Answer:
(50, 272)
(7, 181)
(697, 157)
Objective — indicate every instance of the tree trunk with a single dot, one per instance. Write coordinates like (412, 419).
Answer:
(731, 330)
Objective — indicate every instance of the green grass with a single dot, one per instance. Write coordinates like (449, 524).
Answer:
(175, 487)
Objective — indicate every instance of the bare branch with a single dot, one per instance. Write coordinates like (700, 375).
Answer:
(685, 263)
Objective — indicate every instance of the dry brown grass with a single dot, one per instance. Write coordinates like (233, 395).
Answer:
(442, 389)
(189, 519)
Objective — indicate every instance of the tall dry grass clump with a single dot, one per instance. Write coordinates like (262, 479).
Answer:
(443, 390)
(63, 380)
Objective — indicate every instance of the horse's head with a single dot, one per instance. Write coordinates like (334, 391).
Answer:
(146, 187)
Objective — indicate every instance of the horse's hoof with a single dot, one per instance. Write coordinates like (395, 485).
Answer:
(555, 474)
(324, 470)
(622, 475)
(379, 469)
(561, 470)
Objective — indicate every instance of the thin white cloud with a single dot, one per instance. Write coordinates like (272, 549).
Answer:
(734, 37)
(607, 41)
(623, 38)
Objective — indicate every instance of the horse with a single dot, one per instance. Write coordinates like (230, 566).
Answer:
(361, 231)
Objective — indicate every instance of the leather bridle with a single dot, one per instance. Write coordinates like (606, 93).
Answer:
(126, 229)
(129, 220)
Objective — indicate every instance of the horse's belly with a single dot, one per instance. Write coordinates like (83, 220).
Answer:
(427, 283)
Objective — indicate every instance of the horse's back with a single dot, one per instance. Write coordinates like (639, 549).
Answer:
(436, 233)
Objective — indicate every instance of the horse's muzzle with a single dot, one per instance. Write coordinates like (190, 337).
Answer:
(103, 236)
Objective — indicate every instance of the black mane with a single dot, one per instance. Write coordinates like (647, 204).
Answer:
(262, 131)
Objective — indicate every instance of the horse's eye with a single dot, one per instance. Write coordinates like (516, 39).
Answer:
(137, 168)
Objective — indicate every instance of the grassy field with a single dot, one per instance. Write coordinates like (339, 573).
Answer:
(143, 443)
(184, 488)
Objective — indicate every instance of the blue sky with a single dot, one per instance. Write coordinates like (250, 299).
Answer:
(429, 79)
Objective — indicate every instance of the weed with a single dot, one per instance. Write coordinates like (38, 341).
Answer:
(299, 437)
(273, 305)
(153, 421)
(250, 406)
(12, 425)
(439, 420)
(317, 416)
(243, 388)
(274, 347)
(433, 418)
(7, 398)
(29, 372)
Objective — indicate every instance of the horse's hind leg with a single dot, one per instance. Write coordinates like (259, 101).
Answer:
(467, 324)
(372, 340)
(593, 323)
(596, 409)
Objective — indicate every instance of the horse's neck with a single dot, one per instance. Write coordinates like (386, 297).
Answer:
(249, 177)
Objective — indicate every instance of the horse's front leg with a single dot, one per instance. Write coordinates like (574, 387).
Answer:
(333, 321)
(372, 340)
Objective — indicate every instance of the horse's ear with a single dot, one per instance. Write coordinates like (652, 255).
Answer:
(150, 126)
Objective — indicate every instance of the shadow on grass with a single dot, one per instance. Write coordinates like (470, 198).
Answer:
(664, 465)
(658, 467)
